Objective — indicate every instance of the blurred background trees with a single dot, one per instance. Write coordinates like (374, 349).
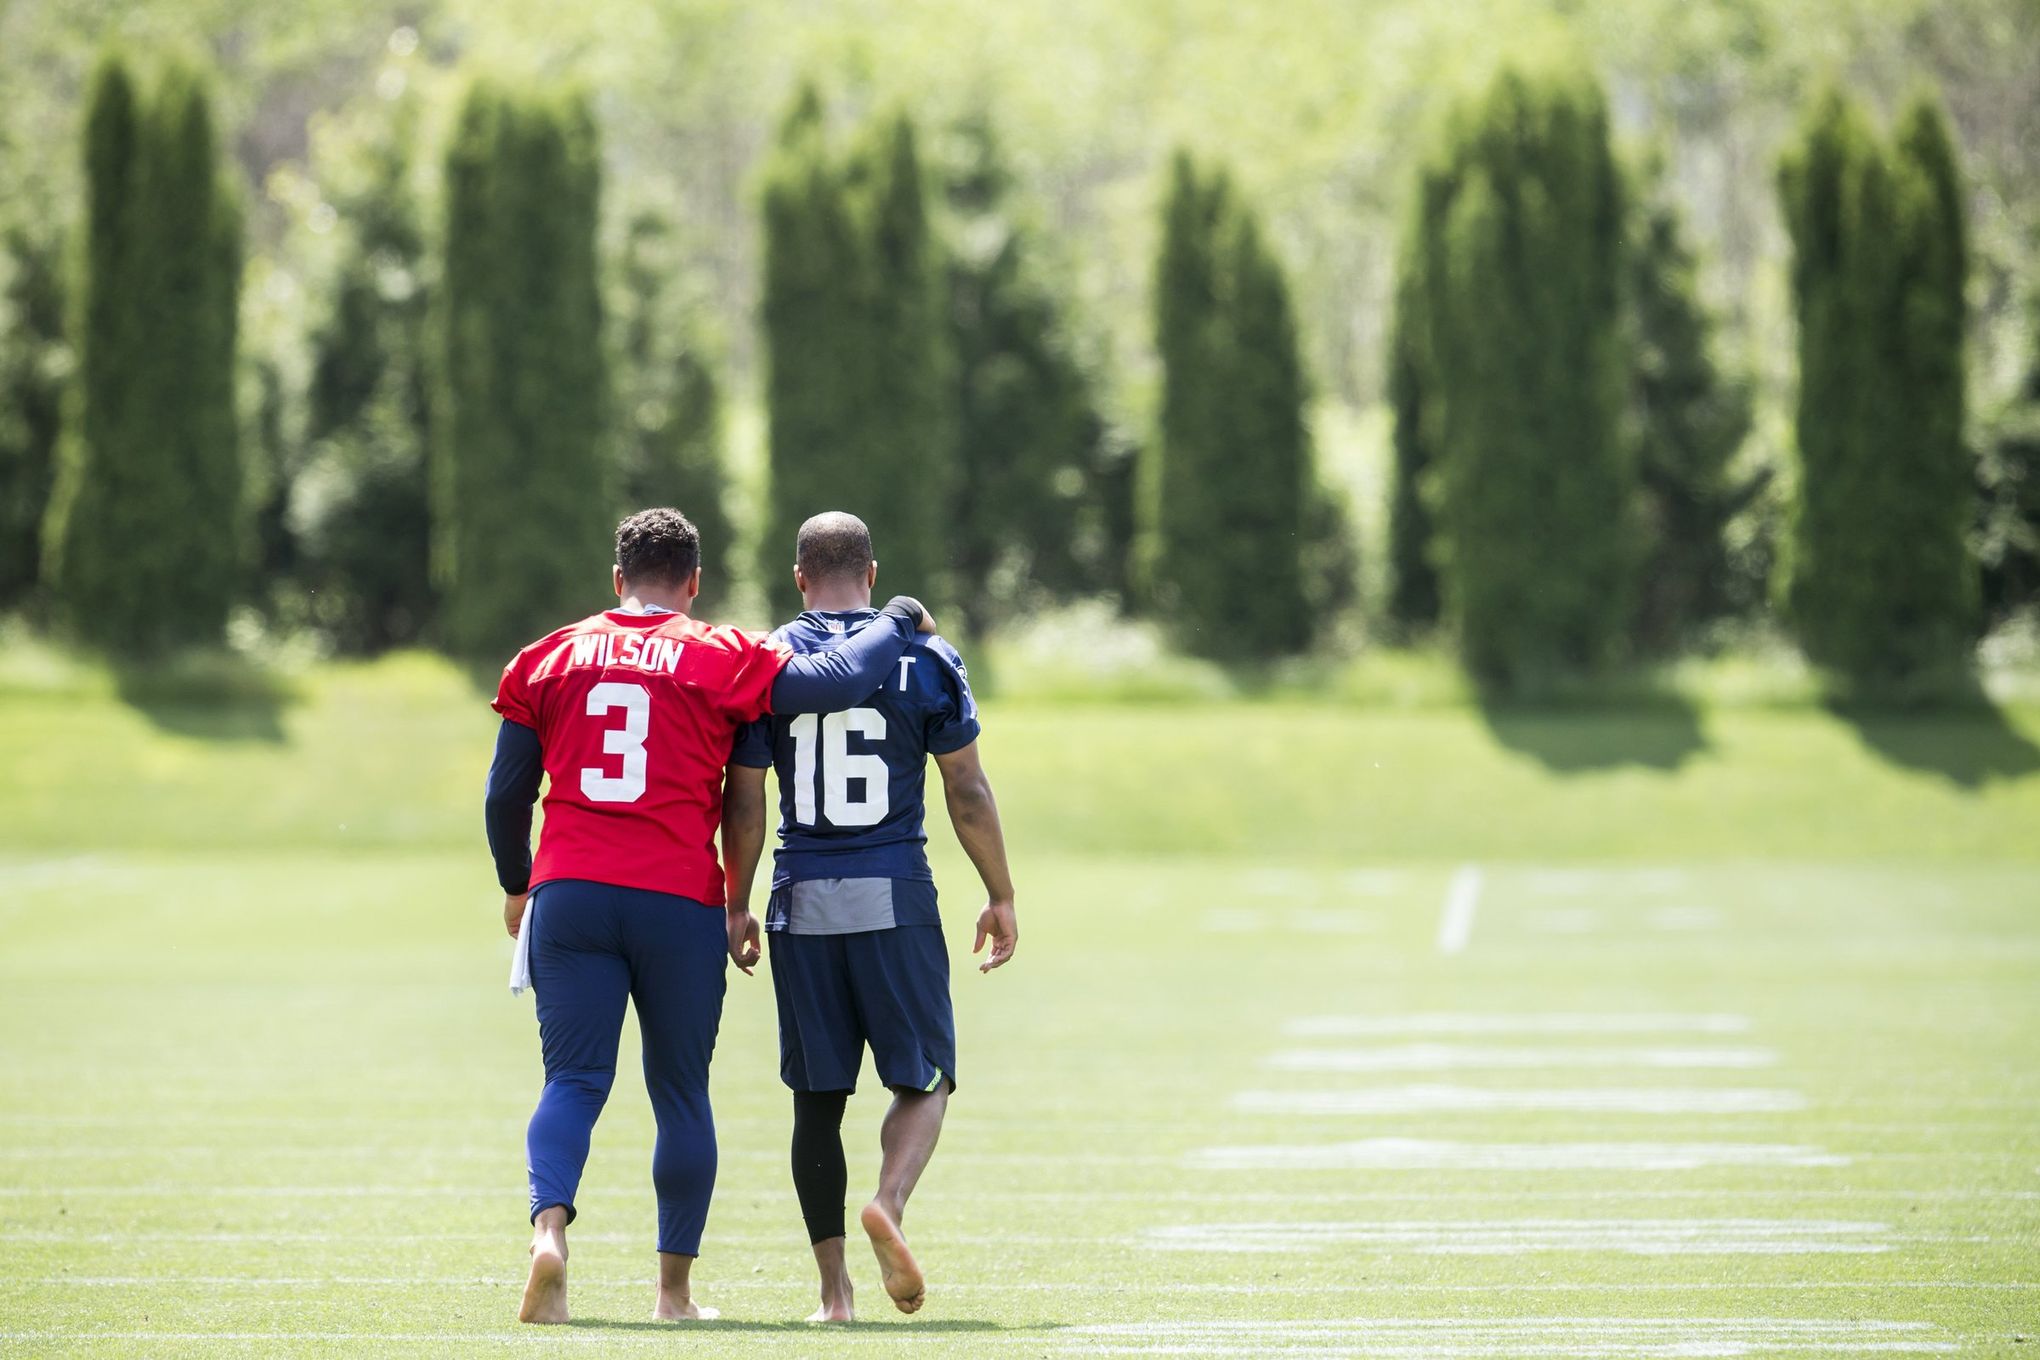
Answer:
(1532, 486)
(145, 530)
(357, 534)
(523, 495)
(669, 416)
(1880, 582)
(1228, 489)
(35, 363)
(1555, 370)
(1042, 501)
(858, 393)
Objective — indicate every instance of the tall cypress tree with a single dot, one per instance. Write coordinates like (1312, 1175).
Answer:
(145, 528)
(1228, 494)
(1535, 485)
(1879, 582)
(522, 480)
(857, 391)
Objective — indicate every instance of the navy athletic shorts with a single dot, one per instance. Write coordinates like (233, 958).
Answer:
(840, 987)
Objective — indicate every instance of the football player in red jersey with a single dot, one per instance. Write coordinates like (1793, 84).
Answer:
(630, 715)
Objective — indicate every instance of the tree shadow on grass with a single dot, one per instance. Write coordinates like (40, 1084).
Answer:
(1961, 736)
(1658, 731)
(209, 696)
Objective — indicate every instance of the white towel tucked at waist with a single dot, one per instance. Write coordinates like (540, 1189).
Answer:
(520, 957)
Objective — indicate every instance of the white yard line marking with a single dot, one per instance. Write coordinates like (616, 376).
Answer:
(1438, 1099)
(1462, 896)
(1423, 1154)
(1463, 1024)
(1519, 1237)
(1581, 1338)
(1466, 1057)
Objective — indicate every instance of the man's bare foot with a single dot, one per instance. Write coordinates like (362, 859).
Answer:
(545, 1292)
(902, 1274)
(681, 1308)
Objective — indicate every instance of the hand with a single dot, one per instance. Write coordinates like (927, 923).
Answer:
(997, 924)
(744, 944)
(906, 605)
(513, 912)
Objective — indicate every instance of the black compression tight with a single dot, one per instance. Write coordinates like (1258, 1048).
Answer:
(820, 1177)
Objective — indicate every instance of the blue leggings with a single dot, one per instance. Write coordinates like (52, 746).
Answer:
(593, 946)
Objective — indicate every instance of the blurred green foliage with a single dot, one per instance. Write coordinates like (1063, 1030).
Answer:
(858, 391)
(358, 526)
(145, 533)
(669, 398)
(1043, 496)
(1226, 495)
(2007, 535)
(1880, 585)
(1321, 110)
(521, 487)
(1413, 602)
(1689, 417)
(35, 362)
(1533, 489)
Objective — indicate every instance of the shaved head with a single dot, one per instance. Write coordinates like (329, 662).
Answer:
(833, 546)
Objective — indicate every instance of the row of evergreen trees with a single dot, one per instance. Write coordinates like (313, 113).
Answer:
(478, 407)
(1565, 441)
(920, 374)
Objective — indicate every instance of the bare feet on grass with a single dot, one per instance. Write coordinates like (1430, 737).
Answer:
(902, 1274)
(681, 1308)
(676, 1292)
(545, 1291)
(836, 1288)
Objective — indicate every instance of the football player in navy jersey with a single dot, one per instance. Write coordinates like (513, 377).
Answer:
(856, 942)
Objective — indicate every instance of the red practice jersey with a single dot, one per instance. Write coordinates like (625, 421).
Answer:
(635, 714)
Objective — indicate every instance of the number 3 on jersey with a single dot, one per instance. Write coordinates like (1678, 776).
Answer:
(627, 741)
(839, 767)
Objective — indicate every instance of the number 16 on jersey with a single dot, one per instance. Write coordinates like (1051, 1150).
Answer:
(825, 741)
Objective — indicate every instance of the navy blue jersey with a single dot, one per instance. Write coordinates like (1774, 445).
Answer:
(851, 784)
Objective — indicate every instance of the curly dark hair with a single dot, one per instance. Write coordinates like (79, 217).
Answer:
(658, 547)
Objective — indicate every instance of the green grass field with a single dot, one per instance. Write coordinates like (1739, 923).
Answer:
(1333, 1031)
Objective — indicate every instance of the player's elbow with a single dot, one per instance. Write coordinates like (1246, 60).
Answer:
(505, 804)
(970, 797)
